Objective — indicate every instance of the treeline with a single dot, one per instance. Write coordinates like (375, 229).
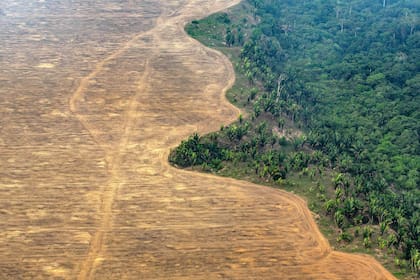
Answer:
(347, 73)
(251, 145)
(354, 69)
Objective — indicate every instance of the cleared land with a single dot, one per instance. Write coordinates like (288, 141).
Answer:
(93, 94)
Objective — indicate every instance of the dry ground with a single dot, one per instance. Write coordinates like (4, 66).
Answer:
(92, 96)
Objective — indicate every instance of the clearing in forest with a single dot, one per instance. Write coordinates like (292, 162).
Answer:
(93, 95)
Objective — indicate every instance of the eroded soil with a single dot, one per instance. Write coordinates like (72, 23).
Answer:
(92, 96)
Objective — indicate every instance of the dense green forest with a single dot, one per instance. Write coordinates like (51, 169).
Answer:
(346, 73)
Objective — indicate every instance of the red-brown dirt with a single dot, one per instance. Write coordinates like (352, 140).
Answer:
(93, 95)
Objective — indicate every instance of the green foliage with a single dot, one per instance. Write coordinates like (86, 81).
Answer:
(345, 236)
(194, 151)
(239, 142)
(415, 261)
(367, 242)
(348, 74)
(217, 30)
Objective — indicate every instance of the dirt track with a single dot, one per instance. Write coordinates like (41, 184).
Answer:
(93, 94)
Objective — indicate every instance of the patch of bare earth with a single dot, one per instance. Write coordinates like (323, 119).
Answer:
(92, 96)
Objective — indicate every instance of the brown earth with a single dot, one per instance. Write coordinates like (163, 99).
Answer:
(92, 96)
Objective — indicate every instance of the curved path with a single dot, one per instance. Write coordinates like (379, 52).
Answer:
(86, 191)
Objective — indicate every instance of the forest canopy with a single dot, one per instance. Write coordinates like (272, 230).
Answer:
(346, 73)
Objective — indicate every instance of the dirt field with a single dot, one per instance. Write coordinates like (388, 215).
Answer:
(92, 96)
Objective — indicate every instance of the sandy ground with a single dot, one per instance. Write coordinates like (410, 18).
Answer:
(92, 96)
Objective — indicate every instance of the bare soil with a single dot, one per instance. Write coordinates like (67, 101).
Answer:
(93, 94)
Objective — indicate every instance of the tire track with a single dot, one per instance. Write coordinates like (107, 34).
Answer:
(113, 154)
(68, 216)
(115, 181)
(78, 94)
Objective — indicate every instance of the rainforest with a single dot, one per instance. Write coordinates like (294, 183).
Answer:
(330, 99)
